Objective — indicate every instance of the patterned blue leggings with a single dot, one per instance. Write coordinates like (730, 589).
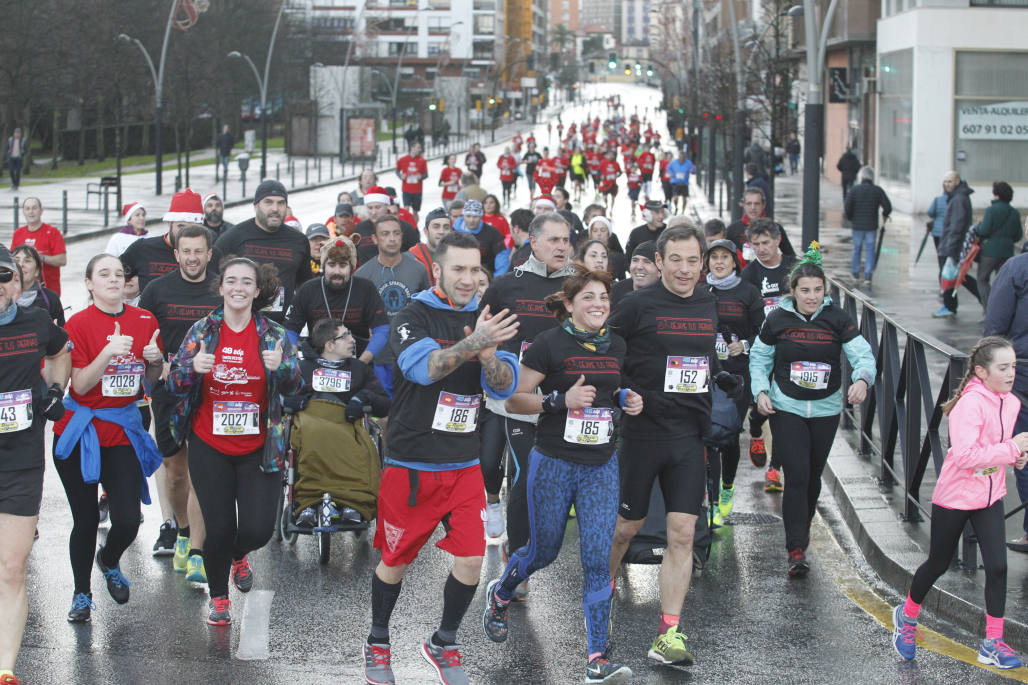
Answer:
(553, 486)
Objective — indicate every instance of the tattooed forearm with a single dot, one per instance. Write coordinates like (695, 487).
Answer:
(498, 374)
(442, 363)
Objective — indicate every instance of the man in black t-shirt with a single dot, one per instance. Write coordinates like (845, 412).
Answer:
(266, 240)
(654, 214)
(378, 201)
(153, 257)
(178, 300)
(432, 472)
(753, 206)
(28, 337)
(340, 295)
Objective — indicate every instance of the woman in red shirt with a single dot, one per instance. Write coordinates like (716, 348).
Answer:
(229, 376)
(493, 217)
(102, 438)
(508, 165)
(449, 178)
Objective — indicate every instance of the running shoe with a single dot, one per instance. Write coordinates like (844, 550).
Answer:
(117, 584)
(943, 313)
(521, 591)
(772, 480)
(165, 545)
(9, 679)
(798, 565)
(494, 523)
(495, 616)
(758, 452)
(726, 501)
(220, 613)
(242, 574)
(446, 661)
(669, 648)
(308, 518)
(997, 653)
(181, 558)
(904, 634)
(377, 668)
(350, 515)
(601, 670)
(105, 509)
(81, 606)
(196, 572)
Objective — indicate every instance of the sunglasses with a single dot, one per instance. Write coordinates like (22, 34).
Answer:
(6, 276)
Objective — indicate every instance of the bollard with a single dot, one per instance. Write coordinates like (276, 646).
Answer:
(306, 173)
(243, 180)
(276, 170)
(64, 212)
(15, 213)
(107, 221)
(331, 168)
(224, 188)
(319, 169)
(292, 175)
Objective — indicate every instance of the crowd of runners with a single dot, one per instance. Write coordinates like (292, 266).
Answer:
(509, 354)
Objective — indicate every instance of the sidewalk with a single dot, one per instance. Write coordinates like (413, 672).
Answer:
(138, 183)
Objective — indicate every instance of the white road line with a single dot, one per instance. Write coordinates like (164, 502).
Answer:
(254, 633)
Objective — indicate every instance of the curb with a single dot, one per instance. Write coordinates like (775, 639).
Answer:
(855, 491)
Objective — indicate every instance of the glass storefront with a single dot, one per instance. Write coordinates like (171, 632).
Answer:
(895, 114)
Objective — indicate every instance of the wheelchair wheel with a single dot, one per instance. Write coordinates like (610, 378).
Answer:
(324, 547)
(283, 523)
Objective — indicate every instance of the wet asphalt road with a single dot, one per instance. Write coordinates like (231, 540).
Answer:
(747, 622)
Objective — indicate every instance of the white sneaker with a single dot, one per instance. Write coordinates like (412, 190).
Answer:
(494, 525)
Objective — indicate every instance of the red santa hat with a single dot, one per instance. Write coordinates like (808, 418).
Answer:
(293, 222)
(128, 210)
(208, 196)
(377, 194)
(185, 206)
(544, 200)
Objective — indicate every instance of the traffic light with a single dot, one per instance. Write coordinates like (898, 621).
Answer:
(612, 60)
(432, 105)
(530, 63)
(649, 70)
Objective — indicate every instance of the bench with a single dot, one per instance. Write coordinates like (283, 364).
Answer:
(103, 188)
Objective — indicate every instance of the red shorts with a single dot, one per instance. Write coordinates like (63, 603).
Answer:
(454, 498)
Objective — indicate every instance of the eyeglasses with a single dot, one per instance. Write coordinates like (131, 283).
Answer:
(344, 336)
(6, 276)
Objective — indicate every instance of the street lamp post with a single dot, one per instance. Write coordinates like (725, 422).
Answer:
(158, 81)
(262, 84)
(813, 113)
(740, 120)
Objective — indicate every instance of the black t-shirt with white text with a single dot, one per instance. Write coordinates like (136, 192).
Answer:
(772, 283)
(359, 306)
(523, 293)
(740, 313)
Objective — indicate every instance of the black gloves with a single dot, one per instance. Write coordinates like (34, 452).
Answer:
(554, 403)
(53, 402)
(731, 383)
(354, 409)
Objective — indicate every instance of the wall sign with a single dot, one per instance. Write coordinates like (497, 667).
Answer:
(998, 121)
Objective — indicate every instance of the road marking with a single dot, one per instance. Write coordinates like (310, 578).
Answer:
(254, 633)
(853, 586)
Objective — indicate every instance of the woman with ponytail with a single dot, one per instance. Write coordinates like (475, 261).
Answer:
(971, 487)
(577, 366)
(796, 378)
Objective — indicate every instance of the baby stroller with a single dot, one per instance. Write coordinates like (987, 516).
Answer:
(333, 466)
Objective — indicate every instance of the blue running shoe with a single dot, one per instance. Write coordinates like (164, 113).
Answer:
(943, 313)
(997, 653)
(117, 584)
(905, 634)
(81, 605)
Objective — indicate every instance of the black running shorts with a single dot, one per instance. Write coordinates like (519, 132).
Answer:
(21, 491)
(679, 464)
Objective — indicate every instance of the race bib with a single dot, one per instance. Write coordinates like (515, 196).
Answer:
(810, 375)
(456, 413)
(771, 304)
(524, 346)
(15, 411)
(987, 471)
(589, 426)
(331, 380)
(122, 380)
(452, 188)
(237, 418)
(721, 347)
(687, 374)
(413, 178)
(747, 252)
(278, 303)
(680, 176)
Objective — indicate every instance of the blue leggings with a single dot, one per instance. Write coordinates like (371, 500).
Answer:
(553, 486)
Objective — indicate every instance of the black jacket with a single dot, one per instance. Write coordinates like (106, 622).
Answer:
(849, 165)
(863, 202)
(956, 221)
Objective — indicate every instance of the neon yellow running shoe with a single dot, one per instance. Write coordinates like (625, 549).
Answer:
(669, 648)
(726, 501)
(181, 554)
(196, 572)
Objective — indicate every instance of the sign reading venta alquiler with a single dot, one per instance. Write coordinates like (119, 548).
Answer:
(998, 121)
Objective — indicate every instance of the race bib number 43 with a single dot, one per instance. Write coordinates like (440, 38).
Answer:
(456, 413)
(237, 418)
(331, 380)
(589, 426)
(810, 375)
(15, 411)
(687, 374)
(122, 380)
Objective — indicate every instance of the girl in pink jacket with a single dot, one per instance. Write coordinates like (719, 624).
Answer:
(971, 487)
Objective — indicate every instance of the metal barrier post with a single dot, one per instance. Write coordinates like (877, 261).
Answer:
(276, 170)
(107, 221)
(292, 175)
(306, 173)
(64, 212)
(319, 169)
(15, 214)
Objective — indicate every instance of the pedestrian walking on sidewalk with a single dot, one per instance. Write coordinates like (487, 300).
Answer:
(796, 379)
(848, 165)
(999, 230)
(792, 148)
(937, 212)
(863, 204)
(955, 224)
(971, 487)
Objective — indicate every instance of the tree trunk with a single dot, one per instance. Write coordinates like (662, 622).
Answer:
(101, 152)
(57, 138)
(82, 135)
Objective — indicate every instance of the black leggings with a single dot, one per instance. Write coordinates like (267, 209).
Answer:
(809, 441)
(757, 421)
(226, 485)
(494, 440)
(520, 438)
(122, 479)
(947, 525)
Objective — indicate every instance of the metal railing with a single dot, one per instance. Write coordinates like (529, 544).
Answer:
(904, 407)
